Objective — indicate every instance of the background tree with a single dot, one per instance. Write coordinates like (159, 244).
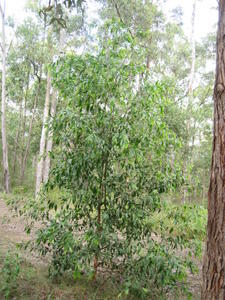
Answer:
(55, 16)
(3, 106)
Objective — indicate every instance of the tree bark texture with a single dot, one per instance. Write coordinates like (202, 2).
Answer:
(213, 287)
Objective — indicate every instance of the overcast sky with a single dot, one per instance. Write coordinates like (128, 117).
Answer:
(206, 13)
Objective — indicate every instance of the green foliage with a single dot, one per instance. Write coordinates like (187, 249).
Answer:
(60, 238)
(54, 11)
(111, 165)
(9, 274)
(119, 139)
(185, 223)
(156, 268)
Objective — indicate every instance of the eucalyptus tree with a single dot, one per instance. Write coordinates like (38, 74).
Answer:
(43, 140)
(192, 40)
(55, 15)
(165, 51)
(110, 169)
(30, 33)
(25, 89)
(43, 164)
(3, 105)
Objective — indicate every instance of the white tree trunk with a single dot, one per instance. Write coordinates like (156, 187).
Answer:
(190, 92)
(47, 161)
(24, 121)
(16, 144)
(40, 164)
(3, 111)
(50, 137)
(193, 59)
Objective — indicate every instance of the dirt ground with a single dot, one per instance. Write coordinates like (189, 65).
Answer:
(12, 233)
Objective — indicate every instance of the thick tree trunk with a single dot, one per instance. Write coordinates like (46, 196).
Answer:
(3, 111)
(40, 164)
(214, 260)
(50, 138)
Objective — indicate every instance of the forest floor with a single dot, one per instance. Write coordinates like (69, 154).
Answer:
(33, 282)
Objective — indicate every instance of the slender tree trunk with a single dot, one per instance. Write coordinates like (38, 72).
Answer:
(193, 59)
(40, 164)
(96, 262)
(24, 120)
(190, 95)
(50, 139)
(4, 138)
(17, 140)
(213, 286)
(47, 161)
(24, 162)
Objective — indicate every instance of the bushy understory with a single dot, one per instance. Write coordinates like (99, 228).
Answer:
(112, 161)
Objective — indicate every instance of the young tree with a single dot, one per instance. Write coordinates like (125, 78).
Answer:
(3, 111)
(109, 168)
(214, 261)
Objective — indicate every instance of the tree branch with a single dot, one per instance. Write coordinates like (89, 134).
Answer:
(120, 17)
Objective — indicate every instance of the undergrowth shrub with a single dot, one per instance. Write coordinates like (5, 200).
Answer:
(181, 224)
(9, 273)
